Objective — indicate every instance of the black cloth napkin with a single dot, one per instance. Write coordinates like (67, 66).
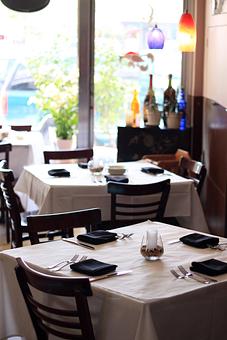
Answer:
(151, 170)
(82, 165)
(119, 179)
(97, 237)
(59, 172)
(199, 241)
(93, 267)
(210, 267)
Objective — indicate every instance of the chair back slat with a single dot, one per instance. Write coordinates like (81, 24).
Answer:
(49, 322)
(86, 154)
(137, 208)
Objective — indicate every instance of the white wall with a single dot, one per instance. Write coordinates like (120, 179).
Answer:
(215, 65)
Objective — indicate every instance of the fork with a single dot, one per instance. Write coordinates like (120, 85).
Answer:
(70, 262)
(193, 276)
(123, 236)
(178, 276)
(74, 258)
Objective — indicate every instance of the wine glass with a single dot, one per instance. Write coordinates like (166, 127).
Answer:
(96, 167)
(152, 246)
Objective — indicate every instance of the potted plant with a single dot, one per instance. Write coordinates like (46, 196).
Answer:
(57, 94)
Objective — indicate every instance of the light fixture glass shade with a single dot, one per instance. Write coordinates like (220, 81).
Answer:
(25, 5)
(155, 38)
(187, 33)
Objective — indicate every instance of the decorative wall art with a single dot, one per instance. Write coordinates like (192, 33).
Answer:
(219, 6)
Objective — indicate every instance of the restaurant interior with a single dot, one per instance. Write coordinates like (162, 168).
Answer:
(113, 193)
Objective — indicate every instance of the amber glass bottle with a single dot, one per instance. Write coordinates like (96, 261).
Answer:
(149, 101)
(135, 108)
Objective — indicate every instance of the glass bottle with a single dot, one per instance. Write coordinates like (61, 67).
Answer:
(169, 102)
(181, 106)
(149, 103)
(135, 108)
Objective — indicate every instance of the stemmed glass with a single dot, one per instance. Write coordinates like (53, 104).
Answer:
(151, 245)
(96, 167)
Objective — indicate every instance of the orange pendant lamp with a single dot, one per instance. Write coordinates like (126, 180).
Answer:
(187, 33)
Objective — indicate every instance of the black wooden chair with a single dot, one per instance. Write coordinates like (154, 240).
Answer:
(169, 162)
(61, 224)
(15, 225)
(66, 222)
(194, 170)
(86, 154)
(124, 211)
(65, 323)
(21, 127)
(5, 149)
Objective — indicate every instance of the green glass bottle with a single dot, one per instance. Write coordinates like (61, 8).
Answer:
(169, 101)
(149, 103)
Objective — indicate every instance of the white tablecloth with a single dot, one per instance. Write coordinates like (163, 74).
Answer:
(147, 304)
(54, 194)
(27, 148)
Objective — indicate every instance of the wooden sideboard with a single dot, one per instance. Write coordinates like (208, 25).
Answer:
(133, 143)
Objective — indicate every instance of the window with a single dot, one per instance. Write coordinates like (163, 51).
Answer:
(31, 43)
(121, 27)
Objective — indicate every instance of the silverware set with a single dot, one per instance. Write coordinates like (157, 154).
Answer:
(123, 236)
(184, 274)
(60, 265)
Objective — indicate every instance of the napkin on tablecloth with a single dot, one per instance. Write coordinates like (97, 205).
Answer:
(97, 237)
(210, 267)
(59, 172)
(152, 171)
(93, 267)
(199, 241)
(119, 179)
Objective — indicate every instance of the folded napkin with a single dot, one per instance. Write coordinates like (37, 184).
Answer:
(151, 170)
(82, 165)
(210, 267)
(93, 267)
(59, 172)
(119, 179)
(199, 241)
(97, 237)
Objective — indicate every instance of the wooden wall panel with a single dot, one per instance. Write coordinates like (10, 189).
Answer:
(215, 159)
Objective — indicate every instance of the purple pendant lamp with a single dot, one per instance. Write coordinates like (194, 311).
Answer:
(155, 38)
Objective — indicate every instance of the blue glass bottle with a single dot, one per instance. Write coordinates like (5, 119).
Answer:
(181, 105)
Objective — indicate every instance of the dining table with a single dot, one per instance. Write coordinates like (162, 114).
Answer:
(27, 149)
(147, 303)
(44, 193)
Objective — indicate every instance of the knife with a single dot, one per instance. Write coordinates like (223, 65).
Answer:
(101, 277)
(78, 243)
(174, 241)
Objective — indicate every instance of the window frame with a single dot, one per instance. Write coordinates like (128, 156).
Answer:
(86, 34)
